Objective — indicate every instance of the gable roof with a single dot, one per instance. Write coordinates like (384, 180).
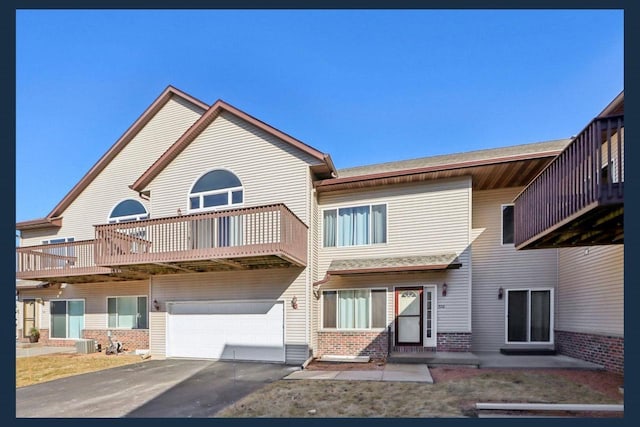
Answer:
(207, 118)
(116, 148)
(449, 165)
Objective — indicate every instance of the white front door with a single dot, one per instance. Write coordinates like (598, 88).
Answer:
(409, 316)
(230, 330)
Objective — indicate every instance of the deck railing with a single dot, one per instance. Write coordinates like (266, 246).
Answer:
(57, 260)
(588, 172)
(245, 232)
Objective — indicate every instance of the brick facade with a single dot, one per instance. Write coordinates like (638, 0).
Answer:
(131, 339)
(352, 343)
(604, 350)
(454, 341)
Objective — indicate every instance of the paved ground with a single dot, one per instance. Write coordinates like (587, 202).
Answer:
(391, 372)
(40, 350)
(498, 360)
(157, 388)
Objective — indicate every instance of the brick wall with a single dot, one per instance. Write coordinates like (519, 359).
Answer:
(454, 341)
(131, 339)
(352, 343)
(604, 350)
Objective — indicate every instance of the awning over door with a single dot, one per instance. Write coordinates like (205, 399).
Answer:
(393, 264)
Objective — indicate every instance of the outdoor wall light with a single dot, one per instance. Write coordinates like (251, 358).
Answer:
(156, 305)
(444, 289)
(294, 302)
(500, 292)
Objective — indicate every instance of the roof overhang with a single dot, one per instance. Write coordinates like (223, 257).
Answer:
(383, 265)
(122, 142)
(40, 223)
(499, 172)
(325, 168)
(615, 107)
(30, 284)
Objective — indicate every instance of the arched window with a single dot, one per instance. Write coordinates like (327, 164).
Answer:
(216, 189)
(128, 210)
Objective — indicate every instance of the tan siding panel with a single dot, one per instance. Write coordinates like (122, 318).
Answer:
(94, 296)
(94, 204)
(271, 170)
(591, 290)
(495, 266)
(425, 218)
(272, 284)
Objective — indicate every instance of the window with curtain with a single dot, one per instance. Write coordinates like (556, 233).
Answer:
(355, 309)
(127, 312)
(355, 226)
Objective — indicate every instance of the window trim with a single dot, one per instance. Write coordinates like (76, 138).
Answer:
(351, 206)
(229, 191)
(125, 218)
(125, 296)
(552, 317)
(502, 206)
(65, 240)
(84, 314)
(370, 328)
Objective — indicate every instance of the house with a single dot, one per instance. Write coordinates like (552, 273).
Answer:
(204, 232)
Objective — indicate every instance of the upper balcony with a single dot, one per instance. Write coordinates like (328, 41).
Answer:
(246, 238)
(578, 199)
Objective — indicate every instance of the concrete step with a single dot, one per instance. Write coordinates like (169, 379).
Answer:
(437, 358)
(528, 350)
(28, 344)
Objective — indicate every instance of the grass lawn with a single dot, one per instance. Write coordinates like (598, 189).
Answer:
(451, 397)
(33, 370)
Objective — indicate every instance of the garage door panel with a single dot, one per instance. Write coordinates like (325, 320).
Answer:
(233, 330)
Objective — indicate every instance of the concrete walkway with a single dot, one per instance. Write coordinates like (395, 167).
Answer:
(391, 372)
(498, 360)
(31, 351)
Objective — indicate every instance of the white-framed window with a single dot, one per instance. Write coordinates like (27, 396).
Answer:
(127, 312)
(354, 308)
(66, 318)
(216, 189)
(529, 316)
(507, 224)
(355, 226)
(128, 210)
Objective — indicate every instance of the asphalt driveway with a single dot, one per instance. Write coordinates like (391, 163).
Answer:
(155, 389)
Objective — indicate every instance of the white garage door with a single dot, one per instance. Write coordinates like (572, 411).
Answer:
(230, 330)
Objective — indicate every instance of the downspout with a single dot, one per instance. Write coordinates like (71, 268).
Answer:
(317, 284)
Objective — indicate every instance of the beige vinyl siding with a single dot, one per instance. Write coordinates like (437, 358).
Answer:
(94, 296)
(591, 290)
(422, 219)
(496, 265)
(273, 284)
(271, 171)
(111, 186)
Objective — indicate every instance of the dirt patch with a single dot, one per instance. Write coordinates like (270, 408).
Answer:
(454, 394)
(33, 370)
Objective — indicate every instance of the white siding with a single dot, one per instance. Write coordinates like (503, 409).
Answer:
(591, 290)
(273, 284)
(94, 204)
(495, 266)
(94, 296)
(422, 219)
(271, 170)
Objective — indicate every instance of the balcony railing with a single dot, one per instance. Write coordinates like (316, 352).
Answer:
(588, 174)
(57, 260)
(233, 234)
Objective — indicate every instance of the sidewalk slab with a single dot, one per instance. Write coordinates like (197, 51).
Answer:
(407, 373)
(312, 375)
(360, 375)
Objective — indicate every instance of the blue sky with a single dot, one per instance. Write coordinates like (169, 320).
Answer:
(364, 86)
